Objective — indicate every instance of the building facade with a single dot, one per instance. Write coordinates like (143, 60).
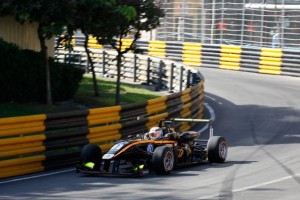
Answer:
(24, 35)
(262, 23)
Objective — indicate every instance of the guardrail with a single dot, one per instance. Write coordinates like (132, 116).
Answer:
(162, 74)
(251, 59)
(36, 143)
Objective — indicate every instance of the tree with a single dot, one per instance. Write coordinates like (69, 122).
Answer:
(129, 17)
(107, 20)
(51, 17)
(90, 18)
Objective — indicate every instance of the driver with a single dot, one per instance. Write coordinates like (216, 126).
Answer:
(154, 133)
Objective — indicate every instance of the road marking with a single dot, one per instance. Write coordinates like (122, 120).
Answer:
(252, 186)
(291, 135)
(36, 176)
(209, 97)
(212, 116)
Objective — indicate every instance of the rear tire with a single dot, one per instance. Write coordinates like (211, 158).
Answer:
(163, 160)
(217, 149)
(91, 153)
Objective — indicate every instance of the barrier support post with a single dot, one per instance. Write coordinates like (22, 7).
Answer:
(181, 78)
(188, 82)
(160, 75)
(171, 76)
(134, 67)
(148, 70)
(103, 62)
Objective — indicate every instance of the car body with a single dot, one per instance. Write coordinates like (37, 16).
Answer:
(138, 156)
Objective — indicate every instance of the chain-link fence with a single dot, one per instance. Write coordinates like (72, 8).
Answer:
(260, 23)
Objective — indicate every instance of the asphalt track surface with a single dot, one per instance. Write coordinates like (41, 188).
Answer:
(258, 114)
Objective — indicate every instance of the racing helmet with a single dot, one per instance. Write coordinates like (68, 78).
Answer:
(155, 132)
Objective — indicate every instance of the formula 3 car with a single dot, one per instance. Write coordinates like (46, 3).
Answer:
(139, 156)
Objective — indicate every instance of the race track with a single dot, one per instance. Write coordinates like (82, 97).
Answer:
(258, 114)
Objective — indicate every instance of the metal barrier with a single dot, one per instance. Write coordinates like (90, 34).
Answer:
(251, 59)
(149, 70)
(43, 142)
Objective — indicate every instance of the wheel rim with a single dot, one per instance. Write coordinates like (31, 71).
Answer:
(223, 149)
(169, 161)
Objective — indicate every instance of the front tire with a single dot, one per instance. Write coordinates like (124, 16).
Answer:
(91, 153)
(217, 149)
(163, 160)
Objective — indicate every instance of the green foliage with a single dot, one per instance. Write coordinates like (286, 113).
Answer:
(107, 20)
(128, 17)
(51, 15)
(22, 77)
(18, 109)
(130, 93)
(84, 97)
(65, 80)
(128, 12)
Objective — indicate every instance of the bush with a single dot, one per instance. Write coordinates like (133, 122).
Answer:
(65, 81)
(23, 76)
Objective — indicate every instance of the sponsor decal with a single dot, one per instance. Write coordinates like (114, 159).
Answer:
(150, 148)
(89, 165)
(180, 153)
(107, 156)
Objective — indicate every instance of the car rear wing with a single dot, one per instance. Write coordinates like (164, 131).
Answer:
(209, 121)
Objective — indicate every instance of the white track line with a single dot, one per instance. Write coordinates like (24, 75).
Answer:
(251, 186)
(212, 116)
(209, 97)
(36, 176)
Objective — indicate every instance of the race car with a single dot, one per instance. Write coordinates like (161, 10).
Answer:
(142, 154)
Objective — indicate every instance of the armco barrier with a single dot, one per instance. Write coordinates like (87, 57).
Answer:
(250, 59)
(163, 74)
(36, 143)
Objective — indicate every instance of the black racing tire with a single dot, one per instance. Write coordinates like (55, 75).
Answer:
(217, 149)
(91, 153)
(163, 160)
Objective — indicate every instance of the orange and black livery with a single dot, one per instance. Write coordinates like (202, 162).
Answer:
(138, 155)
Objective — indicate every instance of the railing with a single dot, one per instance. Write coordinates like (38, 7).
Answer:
(36, 143)
(149, 70)
(251, 59)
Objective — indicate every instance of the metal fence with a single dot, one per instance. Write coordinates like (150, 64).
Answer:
(160, 74)
(259, 23)
(35, 143)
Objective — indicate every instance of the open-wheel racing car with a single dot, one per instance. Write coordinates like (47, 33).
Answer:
(140, 155)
